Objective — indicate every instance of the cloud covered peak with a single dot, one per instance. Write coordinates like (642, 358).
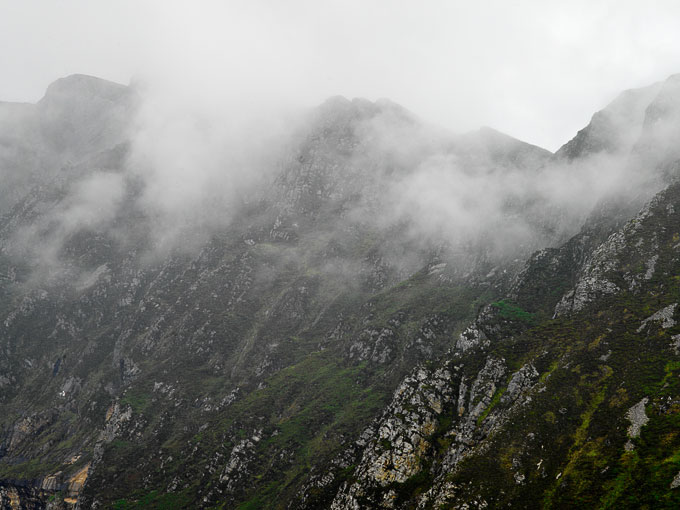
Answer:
(84, 86)
(614, 129)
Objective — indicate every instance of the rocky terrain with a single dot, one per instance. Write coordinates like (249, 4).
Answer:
(399, 317)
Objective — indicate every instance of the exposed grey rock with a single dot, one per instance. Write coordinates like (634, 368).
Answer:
(638, 419)
(236, 467)
(520, 382)
(651, 266)
(676, 481)
(469, 338)
(675, 344)
(664, 316)
(599, 276)
(594, 283)
(402, 436)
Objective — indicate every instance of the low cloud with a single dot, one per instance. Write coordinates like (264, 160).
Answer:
(193, 163)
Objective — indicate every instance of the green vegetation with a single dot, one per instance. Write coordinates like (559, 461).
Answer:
(511, 311)
(138, 400)
(156, 500)
(29, 470)
(494, 401)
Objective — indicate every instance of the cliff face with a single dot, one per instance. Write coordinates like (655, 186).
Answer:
(335, 343)
(547, 410)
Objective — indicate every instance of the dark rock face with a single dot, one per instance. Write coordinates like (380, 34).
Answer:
(324, 348)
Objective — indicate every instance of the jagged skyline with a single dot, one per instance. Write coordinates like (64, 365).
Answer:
(516, 67)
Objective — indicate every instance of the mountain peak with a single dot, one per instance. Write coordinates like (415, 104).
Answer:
(615, 128)
(501, 148)
(362, 107)
(79, 85)
(80, 113)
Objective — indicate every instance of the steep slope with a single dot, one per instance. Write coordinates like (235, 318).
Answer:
(565, 394)
(324, 346)
(614, 129)
(547, 412)
(113, 366)
(503, 150)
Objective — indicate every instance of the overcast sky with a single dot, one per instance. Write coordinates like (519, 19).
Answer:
(534, 69)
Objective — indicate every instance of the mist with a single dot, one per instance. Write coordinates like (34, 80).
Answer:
(200, 163)
(185, 171)
(222, 113)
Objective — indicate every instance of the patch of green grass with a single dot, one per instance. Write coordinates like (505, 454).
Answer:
(34, 468)
(157, 501)
(494, 401)
(544, 376)
(255, 503)
(509, 310)
(138, 400)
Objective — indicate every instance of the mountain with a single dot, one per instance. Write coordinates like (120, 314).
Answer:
(615, 128)
(394, 316)
(79, 115)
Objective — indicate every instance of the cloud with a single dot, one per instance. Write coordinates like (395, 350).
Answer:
(467, 193)
(222, 87)
(90, 205)
(199, 162)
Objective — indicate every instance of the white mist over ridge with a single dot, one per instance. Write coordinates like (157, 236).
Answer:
(198, 162)
(178, 173)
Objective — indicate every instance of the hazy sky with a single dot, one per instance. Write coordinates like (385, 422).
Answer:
(534, 69)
